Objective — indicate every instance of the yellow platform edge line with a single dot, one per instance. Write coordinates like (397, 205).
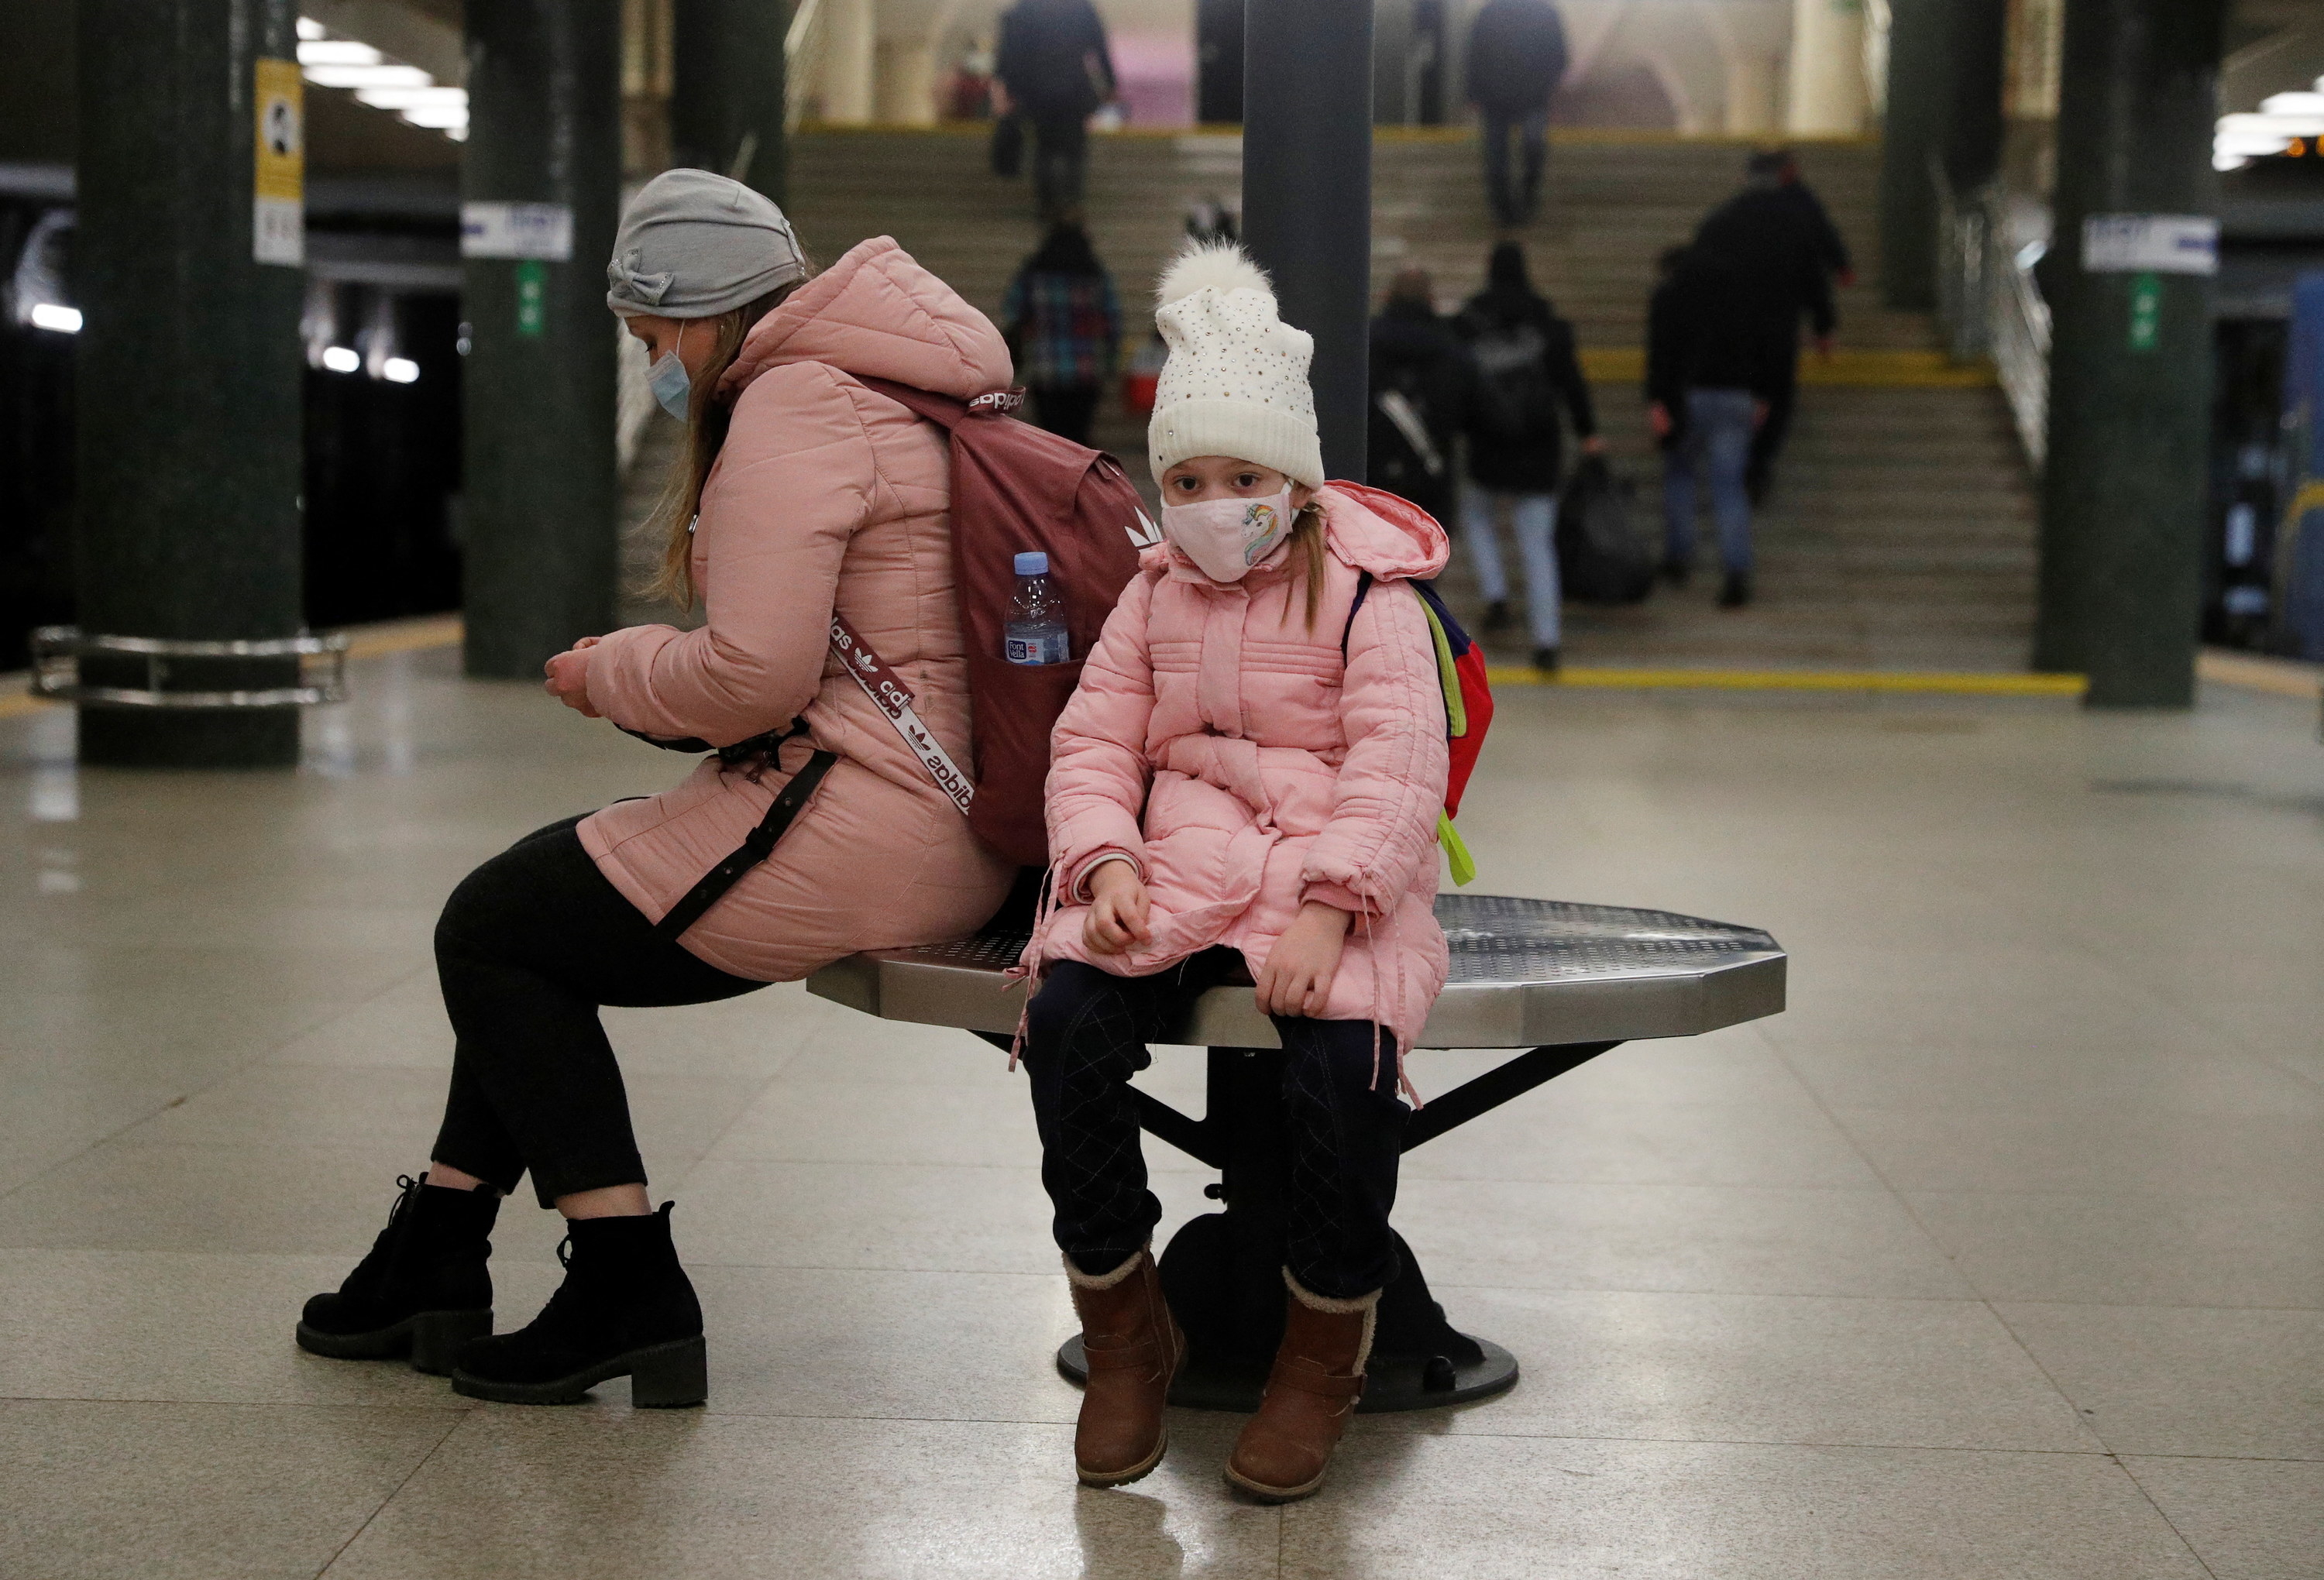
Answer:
(2281, 678)
(1559, 136)
(1853, 369)
(1955, 683)
(414, 636)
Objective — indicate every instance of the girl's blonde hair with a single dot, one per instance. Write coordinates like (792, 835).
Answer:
(707, 418)
(1307, 552)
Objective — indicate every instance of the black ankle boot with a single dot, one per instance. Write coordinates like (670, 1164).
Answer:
(424, 1290)
(626, 1309)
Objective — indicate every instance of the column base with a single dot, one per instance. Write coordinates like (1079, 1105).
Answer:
(126, 737)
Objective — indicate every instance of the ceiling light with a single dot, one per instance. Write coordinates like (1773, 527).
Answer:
(338, 52)
(2293, 104)
(56, 316)
(341, 359)
(399, 369)
(412, 98)
(438, 117)
(363, 77)
(308, 28)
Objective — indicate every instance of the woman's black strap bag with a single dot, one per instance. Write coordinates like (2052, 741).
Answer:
(750, 853)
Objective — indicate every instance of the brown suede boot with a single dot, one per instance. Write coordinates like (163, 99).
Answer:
(1318, 1376)
(1133, 1347)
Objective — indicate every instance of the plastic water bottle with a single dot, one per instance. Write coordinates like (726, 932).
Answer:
(1036, 632)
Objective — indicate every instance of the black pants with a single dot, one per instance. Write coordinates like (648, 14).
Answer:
(528, 946)
(1514, 196)
(1066, 409)
(1086, 1035)
(1060, 162)
(1767, 441)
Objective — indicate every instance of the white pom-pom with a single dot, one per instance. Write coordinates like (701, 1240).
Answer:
(1206, 265)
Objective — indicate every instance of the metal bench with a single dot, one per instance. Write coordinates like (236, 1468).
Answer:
(1566, 981)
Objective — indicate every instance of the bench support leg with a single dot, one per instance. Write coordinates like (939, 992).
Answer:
(1223, 1275)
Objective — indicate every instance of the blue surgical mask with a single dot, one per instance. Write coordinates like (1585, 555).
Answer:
(671, 384)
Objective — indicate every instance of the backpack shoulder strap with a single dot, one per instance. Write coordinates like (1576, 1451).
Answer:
(943, 410)
(1363, 587)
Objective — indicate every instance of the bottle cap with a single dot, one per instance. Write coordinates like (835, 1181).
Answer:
(1033, 565)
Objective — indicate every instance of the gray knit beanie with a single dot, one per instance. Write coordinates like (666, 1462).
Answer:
(693, 244)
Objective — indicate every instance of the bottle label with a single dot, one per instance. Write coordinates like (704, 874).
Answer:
(1046, 647)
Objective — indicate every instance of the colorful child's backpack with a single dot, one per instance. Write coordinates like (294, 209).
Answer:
(1460, 670)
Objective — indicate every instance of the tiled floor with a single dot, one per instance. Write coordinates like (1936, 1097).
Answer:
(1999, 1255)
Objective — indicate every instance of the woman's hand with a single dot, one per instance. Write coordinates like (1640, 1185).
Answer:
(1118, 907)
(568, 678)
(1298, 976)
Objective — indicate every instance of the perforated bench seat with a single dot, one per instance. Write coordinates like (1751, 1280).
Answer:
(1566, 981)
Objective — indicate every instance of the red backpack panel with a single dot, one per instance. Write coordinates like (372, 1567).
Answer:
(1017, 489)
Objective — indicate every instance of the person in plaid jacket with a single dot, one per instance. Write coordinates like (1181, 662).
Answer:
(1064, 324)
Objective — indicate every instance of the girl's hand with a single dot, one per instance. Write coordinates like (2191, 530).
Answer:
(568, 678)
(1298, 976)
(1117, 908)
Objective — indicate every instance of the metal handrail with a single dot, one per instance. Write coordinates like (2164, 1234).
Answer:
(1989, 306)
(801, 42)
(57, 652)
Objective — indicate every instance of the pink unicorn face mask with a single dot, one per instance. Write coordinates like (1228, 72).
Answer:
(1226, 537)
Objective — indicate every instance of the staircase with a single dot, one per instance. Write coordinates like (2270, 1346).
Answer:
(1901, 531)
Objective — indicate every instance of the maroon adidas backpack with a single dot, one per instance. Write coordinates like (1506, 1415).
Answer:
(1015, 489)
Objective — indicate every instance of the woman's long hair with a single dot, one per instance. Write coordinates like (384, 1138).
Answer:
(705, 434)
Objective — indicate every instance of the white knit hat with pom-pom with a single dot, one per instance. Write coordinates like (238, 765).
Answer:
(1236, 384)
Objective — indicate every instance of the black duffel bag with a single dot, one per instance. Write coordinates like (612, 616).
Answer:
(1602, 559)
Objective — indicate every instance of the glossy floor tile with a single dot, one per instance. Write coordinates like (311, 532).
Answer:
(1510, 1509)
(580, 1495)
(1995, 1256)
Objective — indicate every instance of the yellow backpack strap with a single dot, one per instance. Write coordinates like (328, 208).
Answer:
(1456, 712)
(1456, 850)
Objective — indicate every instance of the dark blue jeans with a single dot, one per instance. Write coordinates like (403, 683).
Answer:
(1513, 203)
(1086, 1035)
(1715, 439)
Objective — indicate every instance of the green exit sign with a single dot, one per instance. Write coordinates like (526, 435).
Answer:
(531, 298)
(2145, 310)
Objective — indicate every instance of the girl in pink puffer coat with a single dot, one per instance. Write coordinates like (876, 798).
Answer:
(1248, 779)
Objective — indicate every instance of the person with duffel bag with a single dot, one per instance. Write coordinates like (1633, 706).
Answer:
(854, 569)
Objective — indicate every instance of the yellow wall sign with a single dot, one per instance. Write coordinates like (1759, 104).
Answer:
(278, 183)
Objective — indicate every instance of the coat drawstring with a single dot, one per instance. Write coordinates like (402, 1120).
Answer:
(1028, 970)
(1371, 945)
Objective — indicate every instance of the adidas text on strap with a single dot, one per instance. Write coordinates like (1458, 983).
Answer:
(893, 698)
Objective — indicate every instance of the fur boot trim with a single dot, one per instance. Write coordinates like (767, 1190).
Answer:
(1368, 1304)
(1102, 1281)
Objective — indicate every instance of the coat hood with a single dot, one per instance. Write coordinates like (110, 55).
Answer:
(877, 314)
(1374, 531)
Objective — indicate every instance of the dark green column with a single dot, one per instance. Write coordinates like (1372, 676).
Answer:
(1944, 100)
(2130, 359)
(189, 383)
(1307, 195)
(539, 187)
(726, 89)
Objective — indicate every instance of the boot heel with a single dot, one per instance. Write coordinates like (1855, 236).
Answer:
(670, 1376)
(437, 1337)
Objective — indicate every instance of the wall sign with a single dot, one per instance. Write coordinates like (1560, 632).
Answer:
(516, 230)
(2164, 243)
(278, 205)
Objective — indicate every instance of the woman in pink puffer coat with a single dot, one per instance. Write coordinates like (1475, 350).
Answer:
(803, 493)
(1248, 779)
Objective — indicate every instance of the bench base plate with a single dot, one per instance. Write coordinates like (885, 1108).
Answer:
(1393, 1382)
